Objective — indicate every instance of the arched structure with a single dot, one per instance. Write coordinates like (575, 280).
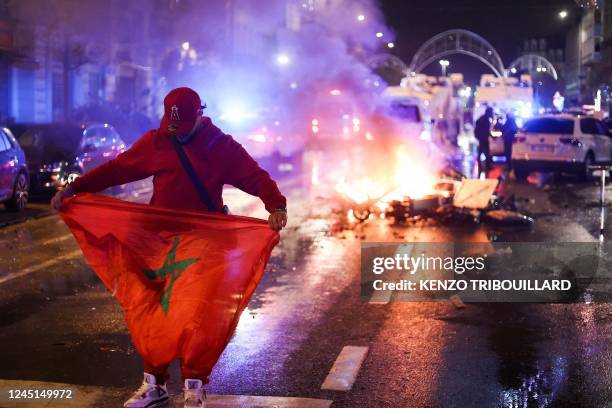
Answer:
(457, 41)
(534, 64)
(386, 61)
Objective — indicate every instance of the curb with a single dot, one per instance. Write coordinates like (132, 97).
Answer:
(26, 218)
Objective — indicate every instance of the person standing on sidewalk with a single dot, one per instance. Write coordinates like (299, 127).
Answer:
(217, 159)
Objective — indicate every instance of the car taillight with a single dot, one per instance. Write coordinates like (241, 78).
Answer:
(519, 139)
(570, 140)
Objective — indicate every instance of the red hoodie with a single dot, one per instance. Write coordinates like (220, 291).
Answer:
(216, 157)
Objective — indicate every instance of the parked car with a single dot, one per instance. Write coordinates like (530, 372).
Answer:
(14, 178)
(562, 143)
(58, 153)
(99, 143)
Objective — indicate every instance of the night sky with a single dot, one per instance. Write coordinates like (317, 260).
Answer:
(504, 23)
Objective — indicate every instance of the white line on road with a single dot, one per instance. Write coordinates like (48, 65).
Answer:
(32, 245)
(344, 371)
(69, 255)
(56, 239)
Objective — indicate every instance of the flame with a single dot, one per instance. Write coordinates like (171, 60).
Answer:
(361, 191)
(411, 177)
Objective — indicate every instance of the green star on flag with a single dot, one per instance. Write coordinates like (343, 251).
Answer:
(169, 268)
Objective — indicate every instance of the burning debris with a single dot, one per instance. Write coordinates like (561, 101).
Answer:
(442, 196)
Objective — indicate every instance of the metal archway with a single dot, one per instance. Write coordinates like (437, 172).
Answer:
(533, 63)
(386, 61)
(457, 41)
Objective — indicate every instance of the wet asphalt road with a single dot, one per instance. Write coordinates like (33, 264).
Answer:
(58, 324)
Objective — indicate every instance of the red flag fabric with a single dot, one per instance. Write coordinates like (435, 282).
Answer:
(183, 278)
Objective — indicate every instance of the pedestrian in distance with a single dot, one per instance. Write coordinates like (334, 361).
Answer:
(213, 159)
(508, 133)
(482, 132)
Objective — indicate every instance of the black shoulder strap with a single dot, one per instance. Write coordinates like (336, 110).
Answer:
(192, 174)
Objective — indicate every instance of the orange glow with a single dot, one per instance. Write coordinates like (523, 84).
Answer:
(361, 191)
(411, 178)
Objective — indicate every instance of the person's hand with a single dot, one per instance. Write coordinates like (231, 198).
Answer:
(56, 201)
(277, 219)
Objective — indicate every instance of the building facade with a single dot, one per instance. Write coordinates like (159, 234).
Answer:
(59, 57)
(588, 59)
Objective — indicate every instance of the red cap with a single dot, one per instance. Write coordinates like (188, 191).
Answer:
(182, 106)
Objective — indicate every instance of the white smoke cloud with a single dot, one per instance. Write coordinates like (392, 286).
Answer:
(324, 49)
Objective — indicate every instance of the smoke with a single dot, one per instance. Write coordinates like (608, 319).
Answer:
(275, 67)
(281, 62)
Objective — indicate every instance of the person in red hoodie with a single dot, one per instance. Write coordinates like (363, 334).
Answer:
(217, 159)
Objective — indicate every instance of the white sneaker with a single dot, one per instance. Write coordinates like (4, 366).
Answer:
(194, 393)
(149, 395)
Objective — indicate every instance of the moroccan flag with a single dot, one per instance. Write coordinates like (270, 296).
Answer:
(183, 278)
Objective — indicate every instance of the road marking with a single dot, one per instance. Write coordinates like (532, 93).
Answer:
(457, 302)
(344, 371)
(34, 244)
(90, 396)
(56, 239)
(60, 258)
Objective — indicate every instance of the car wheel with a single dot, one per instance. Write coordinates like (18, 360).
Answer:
(361, 214)
(19, 199)
(586, 173)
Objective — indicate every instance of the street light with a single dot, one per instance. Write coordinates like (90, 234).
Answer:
(390, 45)
(283, 59)
(444, 64)
(360, 17)
(379, 35)
(563, 14)
(185, 45)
